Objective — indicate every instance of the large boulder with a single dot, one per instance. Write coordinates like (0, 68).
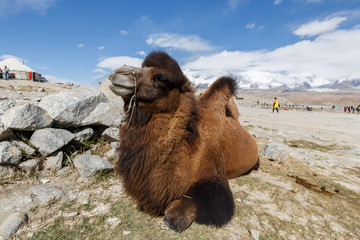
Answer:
(26, 117)
(105, 114)
(70, 108)
(46, 193)
(9, 154)
(89, 165)
(115, 99)
(49, 140)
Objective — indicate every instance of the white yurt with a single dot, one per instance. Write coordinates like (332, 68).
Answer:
(18, 69)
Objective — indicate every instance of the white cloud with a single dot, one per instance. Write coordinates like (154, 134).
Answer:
(123, 32)
(99, 70)
(80, 45)
(233, 4)
(318, 27)
(13, 6)
(101, 48)
(250, 25)
(332, 56)
(190, 43)
(6, 56)
(141, 53)
(276, 2)
(116, 62)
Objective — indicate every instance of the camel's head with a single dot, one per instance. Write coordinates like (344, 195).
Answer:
(156, 85)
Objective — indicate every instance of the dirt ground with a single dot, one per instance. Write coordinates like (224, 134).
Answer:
(313, 192)
(31, 86)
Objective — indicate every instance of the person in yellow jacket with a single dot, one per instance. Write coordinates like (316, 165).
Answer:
(276, 105)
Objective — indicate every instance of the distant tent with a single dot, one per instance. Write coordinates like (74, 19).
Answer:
(20, 70)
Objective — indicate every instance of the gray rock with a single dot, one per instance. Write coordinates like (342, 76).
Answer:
(29, 165)
(5, 104)
(9, 154)
(49, 140)
(15, 201)
(111, 134)
(113, 98)
(274, 151)
(255, 234)
(46, 193)
(113, 151)
(72, 214)
(23, 147)
(106, 114)
(5, 171)
(54, 161)
(5, 134)
(26, 117)
(84, 134)
(63, 172)
(88, 165)
(70, 108)
(11, 224)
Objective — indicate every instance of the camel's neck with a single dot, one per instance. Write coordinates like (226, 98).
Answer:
(150, 153)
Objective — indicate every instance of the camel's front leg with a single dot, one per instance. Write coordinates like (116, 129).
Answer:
(180, 214)
(209, 201)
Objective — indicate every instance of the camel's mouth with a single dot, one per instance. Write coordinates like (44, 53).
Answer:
(124, 80)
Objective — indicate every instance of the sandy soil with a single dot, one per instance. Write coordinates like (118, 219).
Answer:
(337, 129)
(312, 193)
(350, 97)
(30, 86)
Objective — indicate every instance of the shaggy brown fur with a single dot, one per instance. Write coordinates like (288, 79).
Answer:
(177, 152)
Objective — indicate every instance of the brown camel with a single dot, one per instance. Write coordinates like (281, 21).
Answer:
(177, 152)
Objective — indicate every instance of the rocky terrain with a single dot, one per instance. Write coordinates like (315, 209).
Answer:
(57, 150)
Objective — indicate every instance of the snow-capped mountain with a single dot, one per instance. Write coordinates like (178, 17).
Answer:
(346, 83)
(259, 80)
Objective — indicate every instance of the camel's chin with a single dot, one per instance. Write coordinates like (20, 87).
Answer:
(123, 92)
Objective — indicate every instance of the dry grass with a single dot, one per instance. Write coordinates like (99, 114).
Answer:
(315, 146)
(269, 200)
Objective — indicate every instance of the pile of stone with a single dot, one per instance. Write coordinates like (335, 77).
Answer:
(44, 134)
(33, 135)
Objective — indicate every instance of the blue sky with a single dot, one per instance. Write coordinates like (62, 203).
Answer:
(82, 41)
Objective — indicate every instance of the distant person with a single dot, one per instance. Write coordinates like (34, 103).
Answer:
(345, 109)
(6, 70)
(275, 105)
(1, 74)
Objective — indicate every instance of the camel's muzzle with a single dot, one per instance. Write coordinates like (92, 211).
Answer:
(124, 80)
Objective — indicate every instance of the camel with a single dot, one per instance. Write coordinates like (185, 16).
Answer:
(177, 151)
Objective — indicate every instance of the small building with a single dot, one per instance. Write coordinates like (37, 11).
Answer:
(18, 70)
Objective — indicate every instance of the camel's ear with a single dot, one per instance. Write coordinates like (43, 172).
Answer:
(164, 63)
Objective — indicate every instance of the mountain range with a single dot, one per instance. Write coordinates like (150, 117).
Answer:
(268, 80)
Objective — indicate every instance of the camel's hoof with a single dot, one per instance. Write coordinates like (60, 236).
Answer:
(176, 223)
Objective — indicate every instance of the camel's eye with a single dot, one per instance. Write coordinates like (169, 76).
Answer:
(161, 80)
